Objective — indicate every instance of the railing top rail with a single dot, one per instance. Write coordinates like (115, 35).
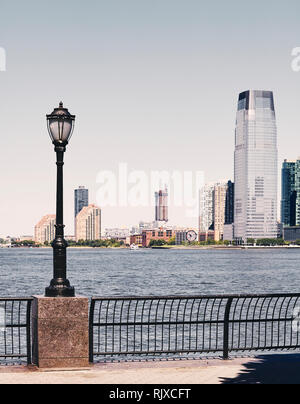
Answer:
(16, 299)
(198, 297)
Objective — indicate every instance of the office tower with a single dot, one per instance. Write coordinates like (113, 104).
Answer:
(206, 208)
(81, 199)
(295, 200)
(255, 167)
(219, 200)
(229, 213)
(229, 205)
(288, 193)
(88, 223)
(44, 231)
(161, 206)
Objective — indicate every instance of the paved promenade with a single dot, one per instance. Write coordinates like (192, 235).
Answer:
(265, 369)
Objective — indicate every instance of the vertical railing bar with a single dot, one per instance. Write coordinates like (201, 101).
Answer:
(218, 325)
(149, 319)
(113, 327)
(106, 326)
(204, 319)
(240, 323)
(284, 300)
(28, 332)
(285, 320)
(155, 321)
(121, 317)
(291, 343)
(246, 324)
(226, 329)
(272, 323)
(5, 329)
(134, 327)
(233, 323)
(99, 325)
(190, 330)
(19, 328)
(266, 330)
(177, 316)
(170, 318)
(183, 323)
(210, 325)
(253, 323)
(12, 329)
(260, 317)
(197, 327)
(142, 321)
(127, 328)
(91, 331)
(163, 324)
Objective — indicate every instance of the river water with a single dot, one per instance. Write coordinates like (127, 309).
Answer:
(111, 272)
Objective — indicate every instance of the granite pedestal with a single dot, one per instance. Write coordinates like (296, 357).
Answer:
(60, 329)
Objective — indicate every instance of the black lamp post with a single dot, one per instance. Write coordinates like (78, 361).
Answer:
(60, 127)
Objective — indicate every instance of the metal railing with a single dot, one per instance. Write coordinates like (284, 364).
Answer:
(15, 329)
(179, 325)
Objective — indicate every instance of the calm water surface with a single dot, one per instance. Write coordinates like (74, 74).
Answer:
(24, 272)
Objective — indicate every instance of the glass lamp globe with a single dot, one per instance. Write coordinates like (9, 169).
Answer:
(60, 125)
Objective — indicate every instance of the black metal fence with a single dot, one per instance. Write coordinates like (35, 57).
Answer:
(177, 325)
(15, 329)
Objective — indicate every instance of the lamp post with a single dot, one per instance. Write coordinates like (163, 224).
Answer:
(60, 127)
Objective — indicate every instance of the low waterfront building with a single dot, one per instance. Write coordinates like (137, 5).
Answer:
(44, 231)
(25, 238)
(291, 234)
(118, 234)
(160, 234)
(181, 237)
(206, 236)
(88, 224)
(70, 238)
(137, 239)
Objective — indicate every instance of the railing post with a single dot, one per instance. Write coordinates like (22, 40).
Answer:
(226, 329)
(91, 331)
(28, 332)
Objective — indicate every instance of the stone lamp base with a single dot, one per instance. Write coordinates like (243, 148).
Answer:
(60, 328)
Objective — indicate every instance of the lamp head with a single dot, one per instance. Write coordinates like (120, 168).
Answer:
(60, 125)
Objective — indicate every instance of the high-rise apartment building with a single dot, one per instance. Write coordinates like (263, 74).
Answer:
(219, 200)
(288, 193)
(88, 223)
(256, 159)
(81, 199)
(206, 208)
(44, 231)
(161, 206)
(229, 205)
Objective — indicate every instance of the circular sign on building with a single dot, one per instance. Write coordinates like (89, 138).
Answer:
(191, 236)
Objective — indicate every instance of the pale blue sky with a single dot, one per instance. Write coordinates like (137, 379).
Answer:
(153, 83)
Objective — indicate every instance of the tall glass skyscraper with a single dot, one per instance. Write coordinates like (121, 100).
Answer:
(81, 199)
(288, 193)
(256, 159)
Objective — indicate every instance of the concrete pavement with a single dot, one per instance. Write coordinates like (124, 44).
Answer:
(264, 369)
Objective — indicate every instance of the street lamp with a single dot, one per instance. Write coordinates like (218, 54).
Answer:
(60, 127)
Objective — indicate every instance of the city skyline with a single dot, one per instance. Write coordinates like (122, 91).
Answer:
(146, 80)
(249, 99)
